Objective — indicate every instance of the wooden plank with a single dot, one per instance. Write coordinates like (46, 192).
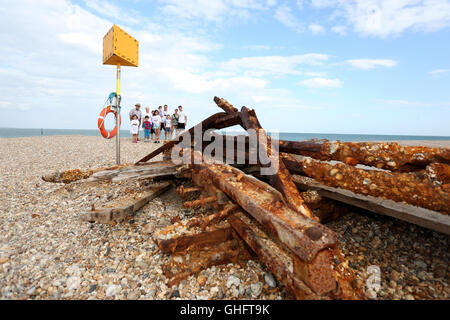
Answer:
(420, 216)
(149, 170)
(119, 214)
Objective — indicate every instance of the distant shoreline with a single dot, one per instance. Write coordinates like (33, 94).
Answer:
(17, 133)
(437, 143)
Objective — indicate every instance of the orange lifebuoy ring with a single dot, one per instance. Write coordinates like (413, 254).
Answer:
(101, 123)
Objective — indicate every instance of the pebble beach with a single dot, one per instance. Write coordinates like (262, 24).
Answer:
(47, 253)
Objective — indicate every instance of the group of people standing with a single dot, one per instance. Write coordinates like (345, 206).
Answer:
(154, 122)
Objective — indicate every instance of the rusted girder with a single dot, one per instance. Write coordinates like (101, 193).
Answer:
(295, 147)
(179, 237)
(281, 180)
(383, 155)
(180, 267)
(182, 191)
(200, 202)
(317, 279)
(438, 173)
(204, 222)
(225, 105)
(219, 120)
(304, 236)
(411, 188)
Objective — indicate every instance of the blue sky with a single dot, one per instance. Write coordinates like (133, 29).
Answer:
(343, 66)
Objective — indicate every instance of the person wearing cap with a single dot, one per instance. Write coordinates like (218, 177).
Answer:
(137, 112)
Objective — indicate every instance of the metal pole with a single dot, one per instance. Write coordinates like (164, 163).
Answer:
(118, 117)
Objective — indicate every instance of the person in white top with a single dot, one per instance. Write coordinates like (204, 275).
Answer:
(134, 128)
(164, 114)
(182, 119)
(168, 127)
(156, 119)
(147, 113)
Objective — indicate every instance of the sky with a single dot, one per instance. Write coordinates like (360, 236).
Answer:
(314, 66)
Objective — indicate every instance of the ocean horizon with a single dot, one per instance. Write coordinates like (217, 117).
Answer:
(294, 136)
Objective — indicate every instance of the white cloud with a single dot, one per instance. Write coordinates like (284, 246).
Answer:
(273, 65)
(107, 9)
(439, 71)
(316, 83)
(316, 28)
(284, 14)
(342, 30)
(214, 10)
(392, 17)
(368, 64)
(60, 73)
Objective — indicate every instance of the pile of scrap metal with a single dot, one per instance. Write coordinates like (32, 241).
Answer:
(266, 215)
(282, 225)
(270, 220)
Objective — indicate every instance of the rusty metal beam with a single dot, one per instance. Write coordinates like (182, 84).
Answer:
(225, 105)
(204, 222)
(304, 236)
(282, 180)
(179, 237)
(317, 279)
(411, 188)
(180, 267)
(383, 155)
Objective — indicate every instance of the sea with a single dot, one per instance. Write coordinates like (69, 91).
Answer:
(293, 136)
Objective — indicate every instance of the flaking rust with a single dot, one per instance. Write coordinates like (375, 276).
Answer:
(306, 266)
(382, 155)
(411, 188)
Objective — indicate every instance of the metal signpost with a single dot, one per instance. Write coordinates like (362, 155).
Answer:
(119, 49)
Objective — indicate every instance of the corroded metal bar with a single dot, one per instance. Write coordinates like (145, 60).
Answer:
(229, 251)
(218, 121)
(295, 147)
(383, 155)
(181, 190)
(318, 279)
(281, 180)
(200, 202)
(304, 236)
(438, 173)
(225, 105)
(215, 217)
(178, 237)
(408, 187)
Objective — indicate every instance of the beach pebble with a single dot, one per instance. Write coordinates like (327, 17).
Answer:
(233, 280)
(112, 290)
(256, 289)
(270, 280)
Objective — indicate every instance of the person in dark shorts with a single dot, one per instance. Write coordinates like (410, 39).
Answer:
(175, 119)
(182, 119)
(152, 130)
(146, 125)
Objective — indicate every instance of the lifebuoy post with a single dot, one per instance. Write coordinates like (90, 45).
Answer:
(119, 49)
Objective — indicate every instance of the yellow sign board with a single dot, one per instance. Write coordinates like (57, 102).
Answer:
(119, 48)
